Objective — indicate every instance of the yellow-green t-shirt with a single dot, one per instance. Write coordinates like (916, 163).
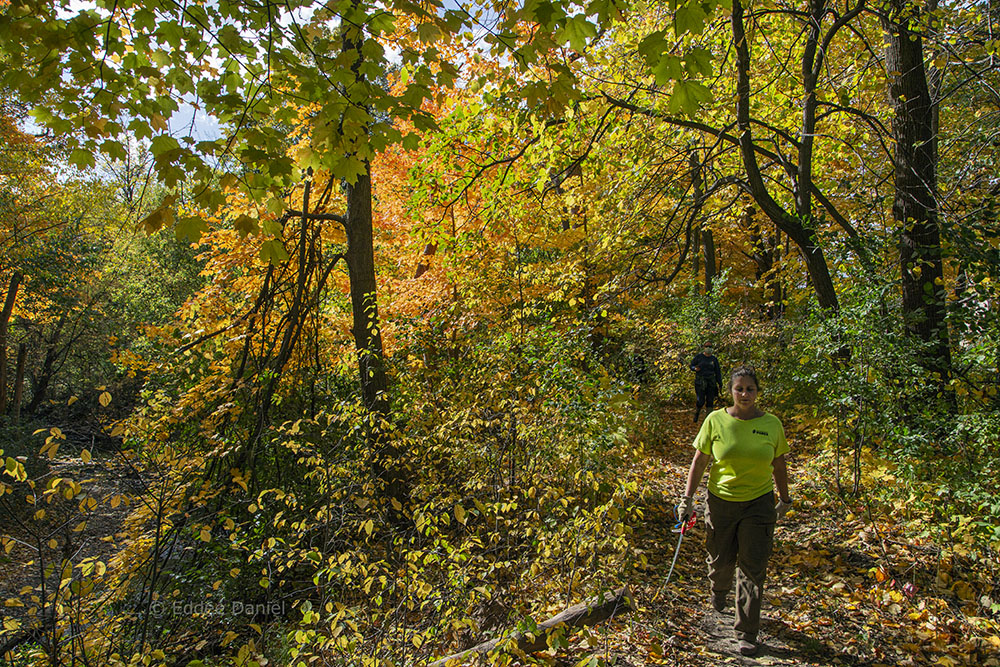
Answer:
(744, 450)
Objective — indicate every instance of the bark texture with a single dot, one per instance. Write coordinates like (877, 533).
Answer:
(364, 302)
(915, 203)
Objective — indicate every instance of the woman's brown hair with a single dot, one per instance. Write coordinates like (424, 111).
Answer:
(743, 371)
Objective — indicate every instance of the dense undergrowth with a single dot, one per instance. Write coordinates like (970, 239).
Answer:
(512, 505)
(513, 453)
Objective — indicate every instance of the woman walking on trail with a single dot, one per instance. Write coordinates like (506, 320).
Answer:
(748, 448)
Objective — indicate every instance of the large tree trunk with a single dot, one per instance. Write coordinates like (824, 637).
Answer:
(361, 264)
(915, 204)
(368, 339)
(360, 254)
(708, 243)
(367, 329)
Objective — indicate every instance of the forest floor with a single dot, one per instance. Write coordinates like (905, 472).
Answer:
(63, 532)
(845, 587)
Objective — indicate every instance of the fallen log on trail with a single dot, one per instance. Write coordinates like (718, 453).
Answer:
(597, 610)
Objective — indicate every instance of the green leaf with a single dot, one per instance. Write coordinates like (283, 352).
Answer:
(687, 96)
(190, 228)
(689, 18)
(81, 158)
(606, 10)
(281, 166)
(698, 61)
(382, 22)
(428, 32)
(210, 198)
(273, 252)
(163, 143)
(114, 149)
(576, 31)
(275, 206)
(172, 33)
(653, 45)
(42, 115)
(543, 13)
(272, 227)
(230, 38)
(160, 58)
(668, 69)
(245, 225)
(144, 19)
(157, 219)
(411, 142)
(348, 168)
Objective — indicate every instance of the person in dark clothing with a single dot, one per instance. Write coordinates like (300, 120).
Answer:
(707, 379)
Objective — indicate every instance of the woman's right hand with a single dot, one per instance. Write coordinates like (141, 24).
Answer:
(685, 508)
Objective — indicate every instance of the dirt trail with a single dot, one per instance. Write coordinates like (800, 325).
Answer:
(850, 582)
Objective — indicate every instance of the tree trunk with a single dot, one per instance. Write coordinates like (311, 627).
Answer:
(777, 307)
(367, 331)
(424, 262)
(361, 264)
(360, 253)
(708, 242)
(51, 354)
(915, 204)
(703, 235)
(602, 608)
(294, 324)
(696, 255)
(22, 353)
(762, 254)
(799, 226)
(8, 308)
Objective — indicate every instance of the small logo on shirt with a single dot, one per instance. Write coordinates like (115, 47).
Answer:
(760, 432)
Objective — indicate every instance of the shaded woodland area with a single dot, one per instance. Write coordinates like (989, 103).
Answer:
(357, 333)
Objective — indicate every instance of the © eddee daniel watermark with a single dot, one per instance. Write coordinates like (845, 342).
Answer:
(217, 608)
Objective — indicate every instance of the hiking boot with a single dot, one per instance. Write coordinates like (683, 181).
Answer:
(719, 602)
(749, 648)
(696, 413)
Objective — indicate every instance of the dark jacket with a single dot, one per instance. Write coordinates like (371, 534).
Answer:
(709, 368)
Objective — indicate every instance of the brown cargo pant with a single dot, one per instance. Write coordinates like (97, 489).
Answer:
(739, 534)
